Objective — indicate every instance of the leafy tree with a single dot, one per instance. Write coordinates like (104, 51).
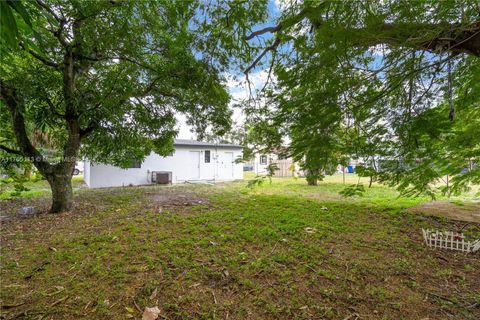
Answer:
(106, 79)
(393, 83)
(8, 23)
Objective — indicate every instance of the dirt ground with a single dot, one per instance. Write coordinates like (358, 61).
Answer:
(468, 212)
(171, 197)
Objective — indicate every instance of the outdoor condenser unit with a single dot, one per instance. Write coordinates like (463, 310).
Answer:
(162, 177)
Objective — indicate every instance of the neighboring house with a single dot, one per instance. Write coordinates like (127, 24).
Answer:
(285, 165)
(261, 162)
(192, 161)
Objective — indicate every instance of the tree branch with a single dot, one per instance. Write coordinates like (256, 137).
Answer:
(263, 31)
(453, 38)
(44, 60)
(9, 97)
(49, 10)
(264, 52)
(9, 150)
(88, 130)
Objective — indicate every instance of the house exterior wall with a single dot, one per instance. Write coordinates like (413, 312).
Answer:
(284, 165)
(186, 164)
(86, 172)
(260, 167)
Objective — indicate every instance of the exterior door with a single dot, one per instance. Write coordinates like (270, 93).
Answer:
(227, 166)
(194, 166)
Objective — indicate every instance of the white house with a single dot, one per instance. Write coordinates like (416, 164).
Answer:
(261, 161)
(191, 161)
(286, 167)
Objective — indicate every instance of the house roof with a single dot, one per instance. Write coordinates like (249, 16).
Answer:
(195, 143)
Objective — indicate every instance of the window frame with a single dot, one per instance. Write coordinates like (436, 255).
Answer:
(205, 156)
(263, 159)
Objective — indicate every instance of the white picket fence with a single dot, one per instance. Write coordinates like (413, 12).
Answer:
(449, 240)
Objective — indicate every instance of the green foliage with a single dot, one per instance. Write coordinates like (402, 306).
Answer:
(271, 168)
(14, 185)
(352, 84)
(364, 171)
(260, 180)
(8, 23)
(256, 182)
(353, 190)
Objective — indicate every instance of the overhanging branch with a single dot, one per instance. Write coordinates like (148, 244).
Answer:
(272, 47)
(44, 60)
(451, 37)
(10, 150)
(263, 31)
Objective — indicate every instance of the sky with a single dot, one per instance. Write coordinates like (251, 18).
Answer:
(238, 91)
(236, 87)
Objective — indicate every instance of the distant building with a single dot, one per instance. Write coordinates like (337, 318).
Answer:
(286, 166)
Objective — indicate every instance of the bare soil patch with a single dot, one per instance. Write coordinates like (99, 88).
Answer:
(469, 211)
(176, 197)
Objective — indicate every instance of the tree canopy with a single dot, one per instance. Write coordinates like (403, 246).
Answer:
(393, 83)
(107, 78)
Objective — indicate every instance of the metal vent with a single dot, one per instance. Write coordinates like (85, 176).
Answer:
(162, 177)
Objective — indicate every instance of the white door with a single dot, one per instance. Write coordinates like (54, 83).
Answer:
(226, 171)
(194, 166)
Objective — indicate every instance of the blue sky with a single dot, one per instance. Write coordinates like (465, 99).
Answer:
(238, 88)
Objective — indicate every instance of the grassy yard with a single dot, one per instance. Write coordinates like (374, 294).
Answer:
(280, 251)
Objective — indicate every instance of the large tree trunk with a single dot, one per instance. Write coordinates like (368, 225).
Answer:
(62, 195)
(312, 177)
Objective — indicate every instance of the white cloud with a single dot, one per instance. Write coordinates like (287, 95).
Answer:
(237, 86)
(184, 130)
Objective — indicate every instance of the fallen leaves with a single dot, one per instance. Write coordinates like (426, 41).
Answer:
(154, 294)
(151, 313)
(310, 230)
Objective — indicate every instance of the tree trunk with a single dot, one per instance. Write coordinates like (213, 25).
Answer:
(312, 177)
(62, 195)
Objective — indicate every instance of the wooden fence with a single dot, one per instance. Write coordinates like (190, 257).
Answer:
(284, 168)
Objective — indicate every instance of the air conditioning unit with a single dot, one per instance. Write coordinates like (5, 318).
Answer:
(162, 177)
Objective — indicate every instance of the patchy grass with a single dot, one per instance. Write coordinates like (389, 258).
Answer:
(280, 251)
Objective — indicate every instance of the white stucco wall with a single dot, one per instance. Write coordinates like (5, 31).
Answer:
(86, 172)
(260, 168)
(186, 164)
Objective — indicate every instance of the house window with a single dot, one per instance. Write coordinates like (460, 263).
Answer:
(136, 164)
(263, 159)
(207, 156)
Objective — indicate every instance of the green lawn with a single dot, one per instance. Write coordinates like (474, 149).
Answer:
(38, 188)
(280, 251)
